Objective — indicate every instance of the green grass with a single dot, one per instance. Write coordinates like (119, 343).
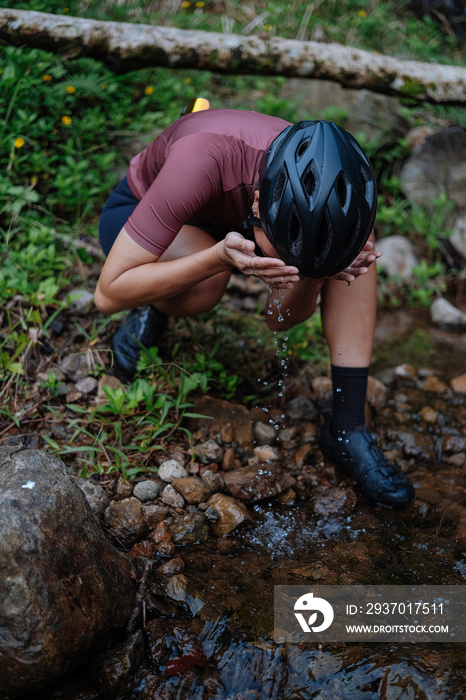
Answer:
(67, 130)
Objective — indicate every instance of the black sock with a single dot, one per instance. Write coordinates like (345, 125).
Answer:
(349, 386)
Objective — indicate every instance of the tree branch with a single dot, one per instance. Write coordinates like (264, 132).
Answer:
(124, 46)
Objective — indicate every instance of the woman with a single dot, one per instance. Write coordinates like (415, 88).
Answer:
(291, 204)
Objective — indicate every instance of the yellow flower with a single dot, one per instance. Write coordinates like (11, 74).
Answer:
(47, 77)
(70, 89)
(187, 81)
(268, 27)
(19, 142)
(66, 119)
(362, 13)
(185, 4)
(149, 90)
(200, 4)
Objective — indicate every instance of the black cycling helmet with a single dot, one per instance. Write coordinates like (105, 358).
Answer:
(317, 197)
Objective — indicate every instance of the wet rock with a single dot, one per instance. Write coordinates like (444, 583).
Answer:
(406, 374)
(413, 444)
(227, 434)
(171, 497)
(222, 413)
(321, 386)
(376, 393)
(398, 256)
(452, 444)
(171, 567)
(145, 549)
(264, 433)
(331, 501)
(190, 529)
(213, 480)
(458, 384)
(161, 537)
(76, 367)
(192, 488)
(301, 408)
(96, 497)
(434, 384)
(177, 589)
(266, 453)
(147, 490)
(122, 489)
(63, 588)
(170, 470)
(116, 668)
(445, 315)
(257, 482)
(429, 415)
(231, 513)
(287, 497)
(209, 451)
(155, 513)
(88, 385)
(229, 459)
(127, 521)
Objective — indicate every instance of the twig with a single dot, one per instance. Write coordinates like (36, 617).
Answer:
(133, 618)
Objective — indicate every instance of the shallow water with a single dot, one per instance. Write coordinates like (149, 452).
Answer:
(295, 545)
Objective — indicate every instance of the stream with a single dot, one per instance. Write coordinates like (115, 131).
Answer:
(295, 545)
(213, 638)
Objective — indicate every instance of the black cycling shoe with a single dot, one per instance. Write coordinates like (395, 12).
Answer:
(358, 454)
(142, 326)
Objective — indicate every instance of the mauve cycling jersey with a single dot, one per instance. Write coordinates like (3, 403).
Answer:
(202, 169)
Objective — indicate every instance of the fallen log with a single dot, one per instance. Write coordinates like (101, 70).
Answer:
(124, 46)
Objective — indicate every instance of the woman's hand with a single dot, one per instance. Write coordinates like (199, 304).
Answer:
(238, 252)
(359, 266)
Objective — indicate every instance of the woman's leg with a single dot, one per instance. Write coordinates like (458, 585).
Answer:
(203, 296)
(348, 319)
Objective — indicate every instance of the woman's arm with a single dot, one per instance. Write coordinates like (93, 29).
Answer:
(133, 277)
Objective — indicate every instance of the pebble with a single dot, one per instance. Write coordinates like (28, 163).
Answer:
(266, 453)
(190, 529)
(264, 433)
(213, 480)
(155, 513)
(76, 366)
(88, 385)
(96, 496)
(170, 470)
(458, 384)
(231, 513)
(192, 488)
(127, 521)
(172, 498)
(209, 451)
(147, 490)
(122, 489)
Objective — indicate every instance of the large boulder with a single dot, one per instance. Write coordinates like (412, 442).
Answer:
(64, 589)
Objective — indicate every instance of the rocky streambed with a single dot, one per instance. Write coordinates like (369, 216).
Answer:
(256, 505)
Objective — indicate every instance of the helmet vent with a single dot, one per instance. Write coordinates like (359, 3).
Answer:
(279, 187)
(302, 148)
(323, 240)
(310, 182)
(342, 187)
(295, 234)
